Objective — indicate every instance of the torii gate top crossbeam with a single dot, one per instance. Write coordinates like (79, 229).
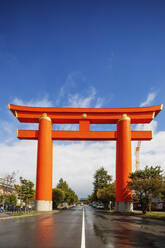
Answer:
(93, 115)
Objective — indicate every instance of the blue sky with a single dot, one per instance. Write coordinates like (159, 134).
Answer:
(80, 53)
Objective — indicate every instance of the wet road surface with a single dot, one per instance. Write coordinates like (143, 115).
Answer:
(64, 230)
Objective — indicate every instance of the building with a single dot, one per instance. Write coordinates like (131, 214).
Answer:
(7, 187)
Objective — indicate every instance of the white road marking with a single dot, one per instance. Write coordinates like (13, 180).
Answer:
(83, 231)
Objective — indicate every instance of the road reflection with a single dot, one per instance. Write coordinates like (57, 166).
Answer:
(115, 235)
(123, 236)
(45, 232)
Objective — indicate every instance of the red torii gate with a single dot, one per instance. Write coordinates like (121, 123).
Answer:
(123, 117)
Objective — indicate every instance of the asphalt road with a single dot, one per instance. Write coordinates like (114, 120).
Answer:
(67, 229)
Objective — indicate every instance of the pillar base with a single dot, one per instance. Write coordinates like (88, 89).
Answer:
(42, 205)
(125, 207)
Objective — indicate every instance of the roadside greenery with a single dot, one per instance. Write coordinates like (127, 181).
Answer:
(14, 196)
(58, 196)
(26, 192)
(23, 213)
(104, 190)
(63, 193)
(101, 180)
(8, 199)
(155, 215)
(106, 195)
(146, 184)
(11, 199)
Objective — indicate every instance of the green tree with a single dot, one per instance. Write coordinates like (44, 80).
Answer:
(11, 199)
(70, 195)
(146, 184)
(91, 198)
(162, 195)
(101, 180)
(58, 196)
(107, 195)
(26, 192)
(63, 185)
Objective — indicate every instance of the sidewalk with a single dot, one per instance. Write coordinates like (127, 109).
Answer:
(5, 216)
(2, 215)
(140, 212)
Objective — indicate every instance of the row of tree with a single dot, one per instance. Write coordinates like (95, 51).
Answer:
(146, 184)
(15, 195)
(104, 188)
(26, 192)
(63, 193)
(23, 194)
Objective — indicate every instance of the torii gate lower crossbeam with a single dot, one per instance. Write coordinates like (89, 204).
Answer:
(123, 117)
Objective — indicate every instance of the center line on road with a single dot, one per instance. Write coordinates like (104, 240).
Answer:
(83, 231)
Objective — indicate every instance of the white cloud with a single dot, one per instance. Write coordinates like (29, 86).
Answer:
(10, 127)
(74, 78)
(76, 93)
(19, 156)
(81, 161)
(150, 98)
(86, 99)
(77, 162)
(152, 152)
(75, 82)
(44, 102)
(147, 127)
(99, 102)
(78, 101)
(6, 127)
(90, 100)
(144, 127)
(67, 127)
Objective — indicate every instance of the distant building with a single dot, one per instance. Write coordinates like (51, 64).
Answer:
(6, 187)
(84, 200)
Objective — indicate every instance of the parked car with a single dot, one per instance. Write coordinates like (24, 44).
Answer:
(100, 206)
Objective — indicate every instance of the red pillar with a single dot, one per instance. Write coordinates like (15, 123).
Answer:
(44, 165)
(123, 164)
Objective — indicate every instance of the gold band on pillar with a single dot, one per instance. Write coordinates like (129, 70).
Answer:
(124, 117)
(44, 116)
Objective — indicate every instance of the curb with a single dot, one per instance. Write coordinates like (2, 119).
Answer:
(28, 215)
